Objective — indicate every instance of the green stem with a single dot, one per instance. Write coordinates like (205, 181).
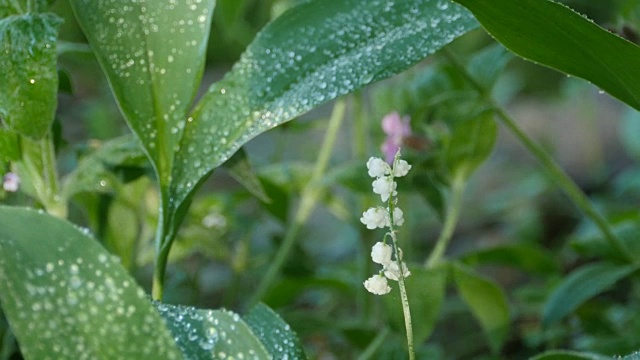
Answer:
(451, 219)
(406, 310)
(553, 170)
(39, 161)
(164, 239)
(562, 180)
(310, 195)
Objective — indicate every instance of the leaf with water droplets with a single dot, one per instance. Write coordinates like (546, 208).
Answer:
(153, 53)
(66, 298)
(276, 335)
(313, 53)
(552, 34)
(211, 334)
(28, 75)
(94, 173)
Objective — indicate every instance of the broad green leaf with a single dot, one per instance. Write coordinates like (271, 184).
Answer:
(153, 53)
(552, 34)
(580, 286)
(634, 356)
(276, 335)
(471, 144)
(211, 334)
(240, 169)
(28, 75)
(487, 302)
(426, 291)
(487, 65)
(569, 355)
(66, 298)
(313, 53)
(94, 172)
(9, 147)
(526, 257)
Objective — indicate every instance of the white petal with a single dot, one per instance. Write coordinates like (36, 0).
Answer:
(377, 167)
(398, 217)
(401, 168)
(392, 271)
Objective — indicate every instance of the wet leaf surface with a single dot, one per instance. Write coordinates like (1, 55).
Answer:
(314, 53)
(153, 53)
(28, 75)
(67, 298)
(211, 334)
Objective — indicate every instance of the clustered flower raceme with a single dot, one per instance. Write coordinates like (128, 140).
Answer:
(381, 217)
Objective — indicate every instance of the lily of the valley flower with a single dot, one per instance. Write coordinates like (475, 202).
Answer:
(381, 253)
(391, 217)
(375, 218)
(377, 284)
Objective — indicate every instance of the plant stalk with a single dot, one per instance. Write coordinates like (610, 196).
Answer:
(553, 170)
(406, 310)
(451, 219)
(39, 161)
(310, 195)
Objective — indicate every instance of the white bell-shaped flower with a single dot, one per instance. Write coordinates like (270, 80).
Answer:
(381, 253)
(377, 284)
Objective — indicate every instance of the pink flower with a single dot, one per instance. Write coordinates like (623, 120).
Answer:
(396, 129)
(11, 182)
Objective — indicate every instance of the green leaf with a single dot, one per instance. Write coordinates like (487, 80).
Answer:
(569, 355)
(526, 257)
(28, 75)
(313, 53)
(66, 298)
(9, 147)
(211, 334)
(487, 65)
(580, 286)
(552, 34)
(471, 144)
(94, 172)
(240, 169)
(426, 290)
(276, 335)
(487, 302)
(153, 53)
(634, 356)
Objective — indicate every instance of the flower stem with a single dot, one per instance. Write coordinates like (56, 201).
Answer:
(405, 299)
(451, 219)
(310, 195)
(39, 162)
(553, 170)
(406, 310)
(561, 179)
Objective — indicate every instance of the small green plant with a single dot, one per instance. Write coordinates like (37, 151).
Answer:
(84, 222)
